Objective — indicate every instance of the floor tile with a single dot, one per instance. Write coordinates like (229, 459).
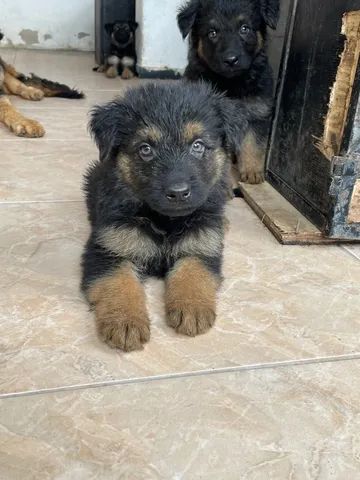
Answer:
(276, 304)
(353, 250)
(42, 170)
(8, 55)
(280, 424)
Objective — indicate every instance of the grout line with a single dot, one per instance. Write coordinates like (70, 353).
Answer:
(25, 202)
(350, 252)
(184, 375)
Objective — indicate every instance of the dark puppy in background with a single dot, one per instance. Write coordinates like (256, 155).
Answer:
(156, 206)
(121, 59)
(228, 49)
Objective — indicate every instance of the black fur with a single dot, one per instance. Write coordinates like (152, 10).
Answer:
(250, 77)
(126, 189)
(50, 88)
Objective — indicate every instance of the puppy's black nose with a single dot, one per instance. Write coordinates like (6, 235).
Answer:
(179, 192)
(231, 61)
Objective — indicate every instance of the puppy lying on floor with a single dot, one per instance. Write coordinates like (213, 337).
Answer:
(156, 206)
(29, 88)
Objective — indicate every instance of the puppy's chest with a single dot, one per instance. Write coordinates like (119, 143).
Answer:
(154, 249)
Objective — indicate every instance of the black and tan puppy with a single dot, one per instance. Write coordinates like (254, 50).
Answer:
(228, 49)
(156, 206)
(121, 60)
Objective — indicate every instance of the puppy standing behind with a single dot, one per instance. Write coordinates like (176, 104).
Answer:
(228, 49)
(156, 206)
(122, 59)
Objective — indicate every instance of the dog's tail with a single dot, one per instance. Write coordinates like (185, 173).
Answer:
(50, 88)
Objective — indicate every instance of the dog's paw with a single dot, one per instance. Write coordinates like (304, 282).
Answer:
(126, 334)
(99, 69)
(191, 320)
(127, 74)
(24, 127)
(111, 72)
(31, 93)
(252, 176)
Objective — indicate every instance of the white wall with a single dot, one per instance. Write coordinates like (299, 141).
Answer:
(58, 24)
(160, 45)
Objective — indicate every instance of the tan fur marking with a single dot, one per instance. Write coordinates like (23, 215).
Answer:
(119, 303)
(241, 18)
(191, 297)
(17, 123)
(112, 72)
(192, 131)
(200, 50)
(129, 243)
(251, 159)
(124, 164)
(18, 88)
(260, 41)
(206, 242)
(150, 133)
(11, 70)
(127, 74)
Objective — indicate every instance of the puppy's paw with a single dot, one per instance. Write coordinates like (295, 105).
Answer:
(31, 93)
(24, 127)
(252, 176)
(127, 74)
(111, 72)
(99, 69)
(127, 334)
(191, 320)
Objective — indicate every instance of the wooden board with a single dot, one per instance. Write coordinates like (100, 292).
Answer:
(286, 223)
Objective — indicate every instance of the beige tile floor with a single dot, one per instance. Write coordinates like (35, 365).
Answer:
(272, 392)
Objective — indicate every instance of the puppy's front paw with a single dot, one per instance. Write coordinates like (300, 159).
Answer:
(127, 74)
(127, 334)
(252, 176)
(191, 320)
(25, 127)
(111, 72)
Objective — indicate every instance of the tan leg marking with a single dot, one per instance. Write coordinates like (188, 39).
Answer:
(111, 72)
(17, 123)
(119, 302)
(127, 74)
(18, 88)
(11, 70)
(191, 297)
(251, 160)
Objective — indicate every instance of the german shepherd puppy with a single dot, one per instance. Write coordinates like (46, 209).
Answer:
(30, 88)
(156, 206)
(228, 49)
(122, 57)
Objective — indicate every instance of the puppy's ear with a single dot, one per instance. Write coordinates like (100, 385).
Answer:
(270, 11)
(105, 127)
(109, 28)
(133, 25)
(187, 16)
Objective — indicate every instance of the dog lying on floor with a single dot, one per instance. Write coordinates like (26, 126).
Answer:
(228, 49)
(29, 88)
(122, 58)
(156, 206)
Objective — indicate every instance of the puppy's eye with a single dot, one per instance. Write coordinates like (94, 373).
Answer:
(146, 152)
(212, 34)
(198, 148)
(244, 29)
